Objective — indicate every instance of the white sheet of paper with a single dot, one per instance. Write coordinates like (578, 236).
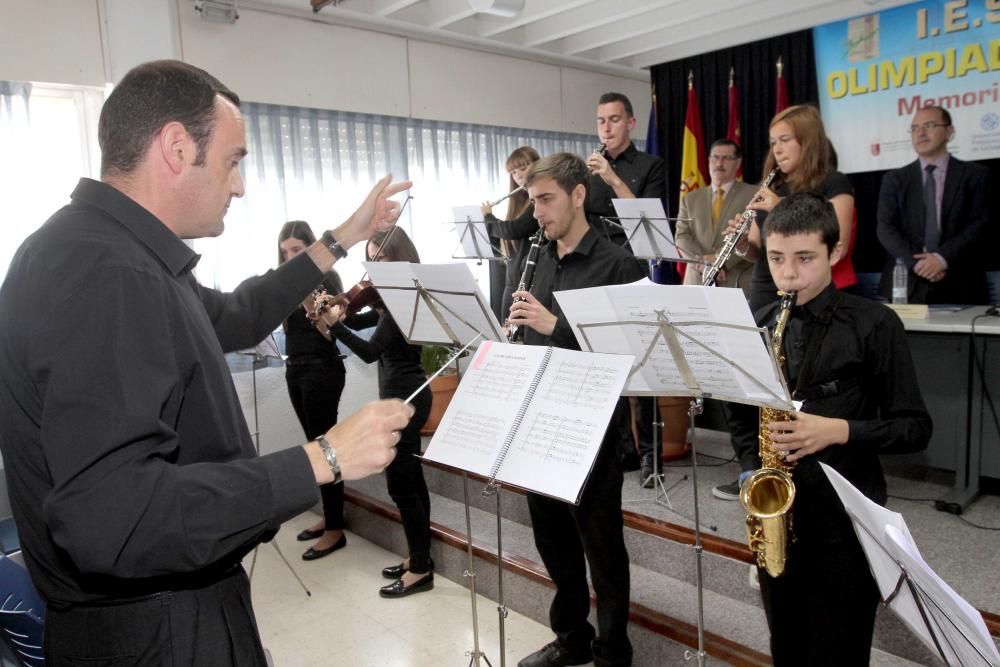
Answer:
(562, 427)
(716, 333)
(450, 286)
(474, 240)
(961, 631)
(889, 547)
(652, 241)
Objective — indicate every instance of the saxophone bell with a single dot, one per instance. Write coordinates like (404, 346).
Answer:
(768, 494)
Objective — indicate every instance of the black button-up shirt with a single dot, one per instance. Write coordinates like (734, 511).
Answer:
(594, 262)
(863, 373)
(643, 174)
(130, 466)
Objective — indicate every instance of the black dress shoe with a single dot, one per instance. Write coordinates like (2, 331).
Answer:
(313, 553)
(309, 534)
(397, 571)
(398, 589)
(556, 654)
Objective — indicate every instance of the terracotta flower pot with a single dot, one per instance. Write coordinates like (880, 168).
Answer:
(443, 388)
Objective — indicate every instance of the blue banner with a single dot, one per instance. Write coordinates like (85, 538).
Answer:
(876, 71)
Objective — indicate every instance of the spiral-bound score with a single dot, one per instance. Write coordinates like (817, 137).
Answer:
(532, 417)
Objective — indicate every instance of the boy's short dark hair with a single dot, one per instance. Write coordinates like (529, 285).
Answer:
(608, 98)
(804, 213)
(566, 169)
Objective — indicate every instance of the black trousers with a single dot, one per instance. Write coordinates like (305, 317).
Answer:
(569, 537)
(212, 626)
(405, 481)
(821, 611)
(315, 389)
(644, 425)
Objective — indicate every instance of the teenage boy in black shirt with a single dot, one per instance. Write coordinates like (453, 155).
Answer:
(569, 536)
(847, 359)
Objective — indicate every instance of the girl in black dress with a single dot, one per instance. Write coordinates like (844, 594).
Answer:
(400, 373)
(314, 372)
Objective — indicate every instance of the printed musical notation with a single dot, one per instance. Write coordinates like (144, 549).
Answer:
(556, 438)
(532, 417)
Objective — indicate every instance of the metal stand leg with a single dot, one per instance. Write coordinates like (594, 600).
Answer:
(661, 495)
(256, 442)
(697, 405)
(501, 605)
(475, 655)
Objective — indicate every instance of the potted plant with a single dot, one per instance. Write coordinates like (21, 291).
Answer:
(432, 357)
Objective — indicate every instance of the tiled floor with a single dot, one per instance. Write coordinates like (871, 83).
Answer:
(346, 623)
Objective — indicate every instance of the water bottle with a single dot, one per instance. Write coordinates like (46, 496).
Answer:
(900, 274)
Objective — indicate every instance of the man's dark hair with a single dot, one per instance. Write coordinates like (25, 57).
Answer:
(945, 116)
(804, 213)
(566, 169)
(147, 98)
(608, 98)
(727, 142)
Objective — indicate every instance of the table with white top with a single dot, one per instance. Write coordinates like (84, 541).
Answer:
(957, 359)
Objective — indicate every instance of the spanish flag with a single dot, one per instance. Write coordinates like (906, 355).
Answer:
(694, 164)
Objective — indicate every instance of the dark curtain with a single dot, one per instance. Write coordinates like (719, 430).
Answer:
(756, 81)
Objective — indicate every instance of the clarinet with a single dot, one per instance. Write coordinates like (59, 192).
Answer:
(730, 241)
(526, 278)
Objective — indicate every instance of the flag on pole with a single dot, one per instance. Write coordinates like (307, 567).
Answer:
(733, 132)
(653, 131)
(694, 164)
(782, 93)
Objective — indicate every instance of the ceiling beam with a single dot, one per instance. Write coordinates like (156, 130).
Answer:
(705, 35)
(442, 13)
(536, 10)
(596, 16)
(388, 7)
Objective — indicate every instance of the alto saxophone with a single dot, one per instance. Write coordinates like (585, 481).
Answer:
(767, 495)
(730, 241)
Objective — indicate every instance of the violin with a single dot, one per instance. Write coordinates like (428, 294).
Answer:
(362, 295)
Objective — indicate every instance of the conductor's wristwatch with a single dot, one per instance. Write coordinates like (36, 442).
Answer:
(331, 457)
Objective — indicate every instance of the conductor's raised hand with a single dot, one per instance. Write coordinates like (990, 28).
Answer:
(529, 312)
(366, 441)
(376, 213)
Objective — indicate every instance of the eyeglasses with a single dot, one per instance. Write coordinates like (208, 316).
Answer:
(722, 158)
(926, 127)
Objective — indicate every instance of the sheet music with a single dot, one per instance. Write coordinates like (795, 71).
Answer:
(451, 289)
(890, 548)
(715, 333)
(473, 238)
(959, 627)
(560, 430)
(647, 228)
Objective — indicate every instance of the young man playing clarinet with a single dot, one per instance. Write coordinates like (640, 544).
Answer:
(847, 360)
(569, 537)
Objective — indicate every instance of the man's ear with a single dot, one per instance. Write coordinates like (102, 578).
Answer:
(837, 252)
(632, 122)
(175, 146)
(579, 195)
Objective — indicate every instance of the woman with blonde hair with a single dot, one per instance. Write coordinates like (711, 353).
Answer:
(515, 232)
(807, 162)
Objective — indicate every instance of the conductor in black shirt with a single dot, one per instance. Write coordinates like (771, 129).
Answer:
(569, 537)
(133, 478)
(620, 171)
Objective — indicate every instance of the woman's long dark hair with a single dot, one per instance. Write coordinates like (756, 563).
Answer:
(399, 247)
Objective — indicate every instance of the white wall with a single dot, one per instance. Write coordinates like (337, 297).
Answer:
(288, 60)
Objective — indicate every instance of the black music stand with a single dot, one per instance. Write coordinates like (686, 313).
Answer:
(665, 357)
(472, 238)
